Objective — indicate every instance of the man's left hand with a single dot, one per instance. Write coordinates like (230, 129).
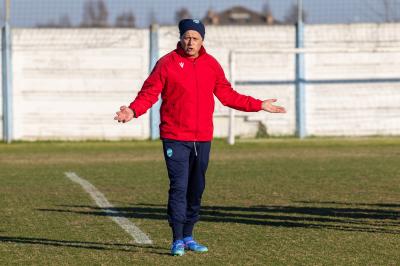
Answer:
(267, 106)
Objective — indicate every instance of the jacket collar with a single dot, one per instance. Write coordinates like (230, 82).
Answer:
(179, 50)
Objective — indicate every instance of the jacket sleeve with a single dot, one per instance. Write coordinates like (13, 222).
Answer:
(151, 89)
(231, 98)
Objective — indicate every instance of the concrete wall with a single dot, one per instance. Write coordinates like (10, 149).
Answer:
(349, 107)
(68, 83)
(1, 93)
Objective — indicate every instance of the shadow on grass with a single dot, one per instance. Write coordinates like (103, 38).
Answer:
(384, 205)
(301, 215)
(78, 244)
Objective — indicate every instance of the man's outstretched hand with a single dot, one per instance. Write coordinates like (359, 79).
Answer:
(267, 106)
(124, 115)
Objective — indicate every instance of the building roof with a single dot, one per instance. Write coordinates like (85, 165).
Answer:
(238, 15)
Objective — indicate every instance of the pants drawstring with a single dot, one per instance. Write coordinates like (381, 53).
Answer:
(195, 150)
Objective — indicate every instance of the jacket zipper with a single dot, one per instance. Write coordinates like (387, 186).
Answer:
(197, 102)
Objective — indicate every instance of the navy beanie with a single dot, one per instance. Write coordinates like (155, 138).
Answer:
(191, 24)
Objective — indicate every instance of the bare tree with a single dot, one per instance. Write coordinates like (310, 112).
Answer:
(95, 14)
(182, 13)
(384, 10)
(211, 17)
(63, 22)
(125, 20)
(48, 24)
(390, 11)
(152, 17)
(292, 15)
(267, 12)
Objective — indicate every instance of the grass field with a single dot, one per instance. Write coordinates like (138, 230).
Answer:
(267, 202)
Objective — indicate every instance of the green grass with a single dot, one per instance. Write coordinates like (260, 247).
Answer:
(267, 202)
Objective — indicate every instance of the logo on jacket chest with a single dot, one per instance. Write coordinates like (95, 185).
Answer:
(181, 64)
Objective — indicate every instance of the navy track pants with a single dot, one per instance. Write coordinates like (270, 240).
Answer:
(187, 165)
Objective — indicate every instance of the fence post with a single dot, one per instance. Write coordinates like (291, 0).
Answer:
(7, 83)
(300, 78)
(231, 130)
(155, 109)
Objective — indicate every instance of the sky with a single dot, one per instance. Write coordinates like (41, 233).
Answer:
(28, 13)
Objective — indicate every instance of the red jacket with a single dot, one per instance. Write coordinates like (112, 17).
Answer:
(187, 88)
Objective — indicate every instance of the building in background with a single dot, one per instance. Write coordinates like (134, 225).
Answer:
(239, 15)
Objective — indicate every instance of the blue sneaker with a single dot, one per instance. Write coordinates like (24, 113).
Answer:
(192, 245)
(178, 248)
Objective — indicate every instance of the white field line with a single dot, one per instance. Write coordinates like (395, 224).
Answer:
(102, 202)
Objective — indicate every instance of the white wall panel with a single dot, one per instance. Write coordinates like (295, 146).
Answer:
(343, 107)
(1, 92)
(68, 84)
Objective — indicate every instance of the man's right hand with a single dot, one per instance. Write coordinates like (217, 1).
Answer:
(124, 115)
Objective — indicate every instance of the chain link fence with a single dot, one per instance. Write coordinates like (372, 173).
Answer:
(93, 54)
(142, 13)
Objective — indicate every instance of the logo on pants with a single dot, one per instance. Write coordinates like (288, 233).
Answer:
(169, 152)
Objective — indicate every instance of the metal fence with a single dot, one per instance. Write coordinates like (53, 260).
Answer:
(371, 40)
(142, 13)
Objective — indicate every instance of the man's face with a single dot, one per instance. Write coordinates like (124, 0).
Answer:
(191, 43)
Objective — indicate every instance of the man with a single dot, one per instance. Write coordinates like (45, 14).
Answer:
(188, 78)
